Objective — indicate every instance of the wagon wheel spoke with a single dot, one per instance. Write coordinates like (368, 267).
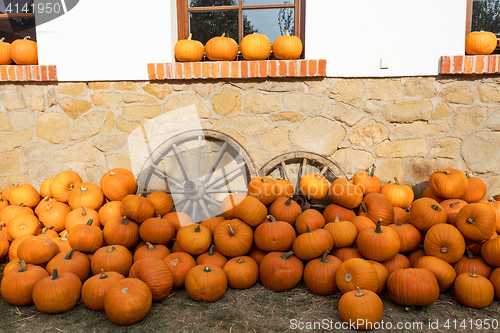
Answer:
(227, 190)
(180, 162)
(195, 210)
(176, 192)
(302, 169)
(227, 181)
(323, 171)
(168, 175)
(213, 167)
(181, 200)
(212, 201)
(285, 173)
(216, 179)
(187, 206)
(205, 209)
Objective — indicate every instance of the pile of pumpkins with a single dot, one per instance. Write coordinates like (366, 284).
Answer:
(253, 47)
(480, 42)
(119, 252)
(21, 51)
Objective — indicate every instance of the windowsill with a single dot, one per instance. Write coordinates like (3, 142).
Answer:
(470, 64)
(237, 69)
(28, 73)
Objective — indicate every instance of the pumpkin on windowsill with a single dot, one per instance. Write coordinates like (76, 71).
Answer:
(287, 47)
(5, 57)
(221, 48)
(24, 51)
(255, 47)
(189, 50)
(480, 42)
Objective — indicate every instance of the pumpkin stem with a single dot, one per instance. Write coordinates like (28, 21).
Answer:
(396, 181)
(446, 172)
(71, 187)
(103, 275)
(190, 36)
(240, 261)
(111, 173)
(84, 212)
(436, 207)
(44, 230)
(211, 250)
(22, 265)
(337, 218)
(470, 220)
(491, 199)
(174, 262)
(223, 35)
(324, 257)
(198, 229)
(263, 180)
(125, 220)
(3, 38)
(21, 204)
(231, 231)
(64, 237)
(453, 205)
(444, 249)
(307, 229)
(207, 269)
(372, 172)
(378, 228)
(399, 223)
(125, 290)
(83, 189)
(470, 255)
(359, 293)
(271, 218)
(112, 248)
(69, 254)
(27, 37)
(287, 33)
(363, 206)
(473, 274)
(348, 277)
(288, 202)
(89, 222)
(54, 274)
(150, 246)
(286, 255)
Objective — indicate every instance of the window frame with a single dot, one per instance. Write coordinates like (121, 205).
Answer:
(183, 11)
(468, 22)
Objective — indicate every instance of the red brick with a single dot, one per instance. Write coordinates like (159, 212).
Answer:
(271, 68)
(254, 68)
(52, 73)
(244, 68)
(178, 70)
(303, 68)
(151, 71)
(479, 64)
(263, 68)
(12, 72)
(169, 71)
(187, 70)
(492, 63)
(313, 67)
(197, 70)
(282, 70)
(27, 72)
(44, 73)
(20, 73)
(35, 72)
(160, 71)
(445, 65)
(322, 67)
(292, 67)
(235, 69)
(457, 64)
(3, 73)
(469, 64)
(206, 70)
(215, 69)
(224, 70)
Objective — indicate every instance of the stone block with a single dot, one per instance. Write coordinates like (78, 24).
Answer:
(129, 97)
(352, 160)
(10, 162)
(421, 129)
(15, 140)
(52, 127)
(5, 124)
(458, 95)
(349, 90)
(407, 112)
(492, 122)
(87, 125)
(129, 126)
(445, 147)
(318, 135)
(74, 107)
(23, 120)
(78, 152)
(109, 123)
(252, 126)
(142, 111)
(260, 103)
(157, 90)
(235, 135)
(125, 85)
(73, 89)
(442, 111)
(489, 93)
(288, 116)
(35, 97)
(118, 161)
(390, 169)
(369, 134)
(179, 101)
(481, 152)
(36, 152)
(227, 102)
(99, 85)
(107, 100)
(402, 148)
(107, 143)
(385, 90)
(467, 119)
(345, 113)
(277, 139)
(420, 87)
(305, 103)
(12, 97)
(320, 86)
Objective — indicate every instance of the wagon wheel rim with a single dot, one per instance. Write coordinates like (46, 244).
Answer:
(198, 169)
(294, 165)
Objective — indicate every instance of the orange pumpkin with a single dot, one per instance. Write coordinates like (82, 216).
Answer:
(368, 181)
(221, 48)
(87, 195)
(443, 271)
(400, 195)
(255, 47)
(287, 47)
(262, 188)
(189, 49)
(118, 183)
(24, 51)
(5, 56)
(480, 42)
(449, 183)
(314, 187)
(477, 189)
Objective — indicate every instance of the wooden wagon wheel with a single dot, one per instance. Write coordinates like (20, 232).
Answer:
(292, 166)
(198, 168)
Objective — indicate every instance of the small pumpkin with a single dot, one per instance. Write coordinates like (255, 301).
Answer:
(344, 233)
(319, 274)
(480, 42)
(117, 183)
(212, 257)
(55, 214)
(112, 258)
(346, 194)
(413, 286)
(194, 239)
(24, 51)
(377, 206)
(213, 222)
(476, 221)
(409, 236)
(109, 210)
(312, 244)
(162, 201)
(382, 274)
(180, 263)
(274, 235)
(354, 273)
(233, 238)
(72, 261)
(444, 241)
(206, 283)
(86, 237)
(285, 209)
(81, 215)
(310, 218)
(156, 230)
(57, 293)
(229, 202)
(156, 274)
(137, 208)
(361, 306)
(251, 210)
(314, 186)
(397, 262)
(368, 181)
(95, 288)
(451, 208)
(242, 272)
(469, 261)
(5, 56)
(287, 47)
(17, 285)
(346, 253)
(262, 188)
(426, 212)
(178, 219)
(255, 47)
(378, 243)
(332, 210)
(149, 250)
(443, 271)
(121, 231)
(477, 189)
(221, 48)
(25, 194)
(280, 271)
(400, 195)
(283, 188)
(189, 49)
(128, 301)
(449, 183)
(473, 290)
(37, 250)
(62, 184)
(257, 254)
(45, 187)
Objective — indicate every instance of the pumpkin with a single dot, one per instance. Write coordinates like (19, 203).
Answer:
(490, 251)
(378, 243)
(401, 215)
(262, 188)
(409, 236)
(377, 206)
(4, 232)
(344, 233)
(4, 246)
(346, 194)
(319, 274)
(451, 208)
(473, 290)
(180, 263)
(15, 244)
(285, 209)
(397, 262)
(382, 274)
(213, 222)
(477, 189)
(109, 210)
(156, 274)
(480, 42)
(63, 242)
(86, 237)
(310, 218)
(280, 271)
(495, 205)
(73, 261)
(178, 219)
(312, 244)
(221, 48)
(468, 262)
(354, 273)
(346, 253)
(17, 285)
(413, 286)
(149, 250)
(274, 235)
(162, 201)
(212, 257)
(495, 281)
(24, 51)
(128, 301)
(332, 210)
(400, 195)
(415, 255)
(22, 225)
(476, 221)
(45, 187)
(362, 307)
(251, 210)
(255, 47)
(283, 188)
(5, 56)
(121, 231)
(57, 293)
(112, 258)
(368, 181)
(257, 254)
(87, 195)
(361, 222)
(444, 241)
(242, 272)
(206, 283)
(189, 49)
(313, 186)
(55, 214)
(62, 184)
(96, 287)
(155, 230)
(137, 208)
(117, 183)
(443, 271)
(287, 47)
(37, 250)
(3, 202)
(428, 193)
(449, 183)
(233, 238)
(229, 202)
(25, 194)
(194, 239)
(426, 212)
(81, 215)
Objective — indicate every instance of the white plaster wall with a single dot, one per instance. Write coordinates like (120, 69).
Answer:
(109, 40)
(353, 35)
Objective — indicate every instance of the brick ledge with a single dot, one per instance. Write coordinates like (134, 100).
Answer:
(237, 69)
(28, 73)
(470, 64)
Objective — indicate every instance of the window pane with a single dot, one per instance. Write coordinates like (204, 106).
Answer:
(266, 2)
(486, 15)
(270, 22)
(17, 28)
(205, 25)
(212, 3)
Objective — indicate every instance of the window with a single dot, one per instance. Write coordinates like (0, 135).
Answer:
(237, 18)
(17, 20)
(483, 15)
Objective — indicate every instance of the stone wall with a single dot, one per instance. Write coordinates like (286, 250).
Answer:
(407, 127)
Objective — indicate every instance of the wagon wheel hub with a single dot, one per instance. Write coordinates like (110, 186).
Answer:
(194, 189)
(302, 201)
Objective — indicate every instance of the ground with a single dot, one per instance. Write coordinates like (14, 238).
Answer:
(252, 310)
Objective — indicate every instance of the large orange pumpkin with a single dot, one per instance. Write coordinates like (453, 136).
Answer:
(118, 183)
(480, 42)
(24, 51)
(255, 47)
(189, 49)
(221, 48)
(5, 56)
(287, 47)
